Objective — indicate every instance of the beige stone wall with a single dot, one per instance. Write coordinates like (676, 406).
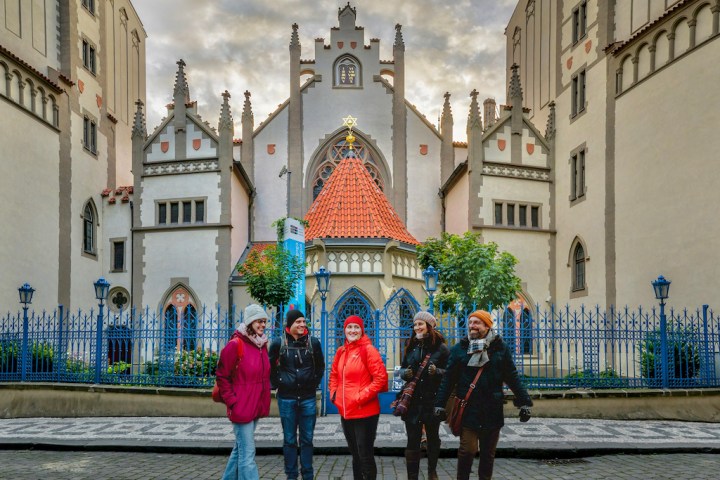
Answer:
(456, 202)
(666, 182)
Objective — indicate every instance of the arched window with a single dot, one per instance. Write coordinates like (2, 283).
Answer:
(170, 330)
(352, 302)
(332, 158)
(189, 328)
(579, 268)
(347, 72)
(89, 231)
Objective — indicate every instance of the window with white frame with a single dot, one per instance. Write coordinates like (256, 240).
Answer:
(181, 212)
(577, 174)
(89, 134)
(88, 56)
(118, 255)
(578, 93)
(516, 215)
(579, 21)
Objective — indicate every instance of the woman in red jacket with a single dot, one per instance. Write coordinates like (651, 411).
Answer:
(357, 376)
(243, 375)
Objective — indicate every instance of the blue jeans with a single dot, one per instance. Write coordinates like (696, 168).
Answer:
(241, 464)
(298, 415)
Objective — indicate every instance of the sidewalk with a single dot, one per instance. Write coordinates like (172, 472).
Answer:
(539, 438)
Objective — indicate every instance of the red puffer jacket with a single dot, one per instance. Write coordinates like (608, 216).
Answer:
(246, 392)
(357, 376)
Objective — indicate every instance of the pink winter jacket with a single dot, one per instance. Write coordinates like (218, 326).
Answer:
(246, 393)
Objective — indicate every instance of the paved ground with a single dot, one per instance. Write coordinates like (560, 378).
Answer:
(36, 465)
(541, 437)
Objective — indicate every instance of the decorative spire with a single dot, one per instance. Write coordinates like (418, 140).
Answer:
(226, 120)
(294, 38)
(182, 91)
(398, 36)
(550, 127)
(350, 122)
(139, 129)
(446, 106)
(247, 107)
(516, 95)
(474, 118)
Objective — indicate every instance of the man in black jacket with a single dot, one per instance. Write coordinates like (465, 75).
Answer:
(483, 417)
(296, 368)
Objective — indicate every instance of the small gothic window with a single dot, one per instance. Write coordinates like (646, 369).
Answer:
(89, 229)
(347, 72)
(334, 155)
(579, 268)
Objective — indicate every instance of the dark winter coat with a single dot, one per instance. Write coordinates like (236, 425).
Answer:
(296, 372)
(423, 401)
(485, 407)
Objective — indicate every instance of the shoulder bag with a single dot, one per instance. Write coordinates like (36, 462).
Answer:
(456, 406)
(400, 406)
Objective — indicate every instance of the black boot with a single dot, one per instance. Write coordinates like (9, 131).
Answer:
(464, 465)
(433, 452)
(412, 460)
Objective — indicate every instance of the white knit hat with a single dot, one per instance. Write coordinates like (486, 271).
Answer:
(253, 312)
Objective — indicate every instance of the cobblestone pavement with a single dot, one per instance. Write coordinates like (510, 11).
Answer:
(214, 435)
(57, 465)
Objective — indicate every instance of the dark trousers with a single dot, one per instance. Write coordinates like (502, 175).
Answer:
(484, 440)
(360, 436)
(414, 434)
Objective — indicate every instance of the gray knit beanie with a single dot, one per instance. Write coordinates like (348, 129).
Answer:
(426, 317)
(253, 312)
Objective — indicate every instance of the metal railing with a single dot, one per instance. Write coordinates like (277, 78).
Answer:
(555, 348)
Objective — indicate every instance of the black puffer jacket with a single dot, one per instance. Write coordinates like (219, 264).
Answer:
(296, 372)
(423, 401)
(485, 407)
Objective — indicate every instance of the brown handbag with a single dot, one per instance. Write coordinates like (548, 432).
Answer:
(455, 407)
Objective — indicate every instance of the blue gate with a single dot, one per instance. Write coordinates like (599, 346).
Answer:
(352, 302)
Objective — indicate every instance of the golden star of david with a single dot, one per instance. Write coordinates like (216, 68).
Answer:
(349, 122)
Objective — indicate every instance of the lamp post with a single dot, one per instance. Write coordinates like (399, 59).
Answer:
(430, 275)
(662, 289)
(322, 277)
(26, 294)
(101, 292)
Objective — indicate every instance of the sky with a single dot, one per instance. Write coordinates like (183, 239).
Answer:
(450, 45)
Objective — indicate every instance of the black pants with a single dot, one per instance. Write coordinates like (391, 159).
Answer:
(414, 434)
(360, 436)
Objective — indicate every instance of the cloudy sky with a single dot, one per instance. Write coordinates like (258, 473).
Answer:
(242, 45)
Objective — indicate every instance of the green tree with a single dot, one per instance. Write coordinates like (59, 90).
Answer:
(471, 273)
(271, 273)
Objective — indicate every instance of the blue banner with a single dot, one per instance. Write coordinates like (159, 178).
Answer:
(294, 242)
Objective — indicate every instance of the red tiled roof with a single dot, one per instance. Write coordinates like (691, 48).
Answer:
(351, 205)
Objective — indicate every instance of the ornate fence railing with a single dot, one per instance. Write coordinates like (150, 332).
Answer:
(555, 348)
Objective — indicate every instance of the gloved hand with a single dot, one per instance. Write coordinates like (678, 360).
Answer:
(432, 369)
(525, 414)
(408, 374)
(440, 413)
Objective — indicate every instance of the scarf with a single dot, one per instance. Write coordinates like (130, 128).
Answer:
(258, 340)
(478, 350)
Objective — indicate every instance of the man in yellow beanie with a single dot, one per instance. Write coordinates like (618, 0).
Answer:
(482, 355)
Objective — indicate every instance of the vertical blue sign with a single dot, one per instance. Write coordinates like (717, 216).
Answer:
(294, 243)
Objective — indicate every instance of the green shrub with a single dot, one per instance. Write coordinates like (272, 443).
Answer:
(76, 365)
(119, 367)
(190, 363)
(684, 356)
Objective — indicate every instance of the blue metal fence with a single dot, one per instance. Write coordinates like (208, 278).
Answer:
(556, 348)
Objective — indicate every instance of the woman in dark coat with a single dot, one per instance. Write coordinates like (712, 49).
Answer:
(483, 417)
(424, 341)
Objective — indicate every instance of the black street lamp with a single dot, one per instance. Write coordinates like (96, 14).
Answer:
(322, 277)
(662, 290)
(101, 292)
(26, 294)
(430, 275)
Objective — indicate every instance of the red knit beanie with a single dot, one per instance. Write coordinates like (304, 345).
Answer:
(356, 320)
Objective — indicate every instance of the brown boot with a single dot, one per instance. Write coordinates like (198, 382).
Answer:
(412, 460)
(433, 452)
(464, 465)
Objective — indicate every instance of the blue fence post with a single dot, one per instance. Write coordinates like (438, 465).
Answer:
(664, 347)
(98, 344)
(24, 357)
(60, 365)
(706, 342)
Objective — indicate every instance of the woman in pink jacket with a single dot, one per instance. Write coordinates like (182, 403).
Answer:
(357, 376)
(243, 376)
